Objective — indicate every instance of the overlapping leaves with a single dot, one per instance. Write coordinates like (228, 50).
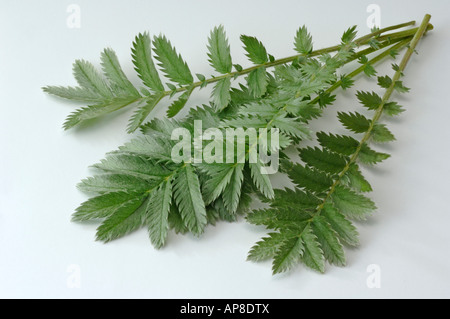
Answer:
(141, 185)
(312, 223)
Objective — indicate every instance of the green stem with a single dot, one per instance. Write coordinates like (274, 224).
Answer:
(360, 41)
(400, 45)
(391, 28)
(379, 111)
(402, 34)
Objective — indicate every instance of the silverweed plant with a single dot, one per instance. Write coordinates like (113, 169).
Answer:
(141, 184)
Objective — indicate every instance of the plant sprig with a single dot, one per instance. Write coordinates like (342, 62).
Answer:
(142, 185)
(113, 91)
(312, 223)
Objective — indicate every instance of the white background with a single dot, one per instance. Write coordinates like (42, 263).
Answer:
(40, 164)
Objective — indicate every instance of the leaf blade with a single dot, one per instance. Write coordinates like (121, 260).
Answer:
(257, 82)
(143, 62)
(256, 51)
(189, 199)
(114, 73)
(219, 51)
(179, 103)
(143, 111)
(172, 64)
(303, 41)
(157, 214)
(89, 78)
(221, 94)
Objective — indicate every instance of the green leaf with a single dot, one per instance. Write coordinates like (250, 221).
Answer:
(395, 67)
(344, 228)
(371, 157)
(287, 219)
(171, 62)
(178, 105)
(356, 180)
(94, 111)
(263, 110)
(107, 183)
(113, 72)
(221, 212)
(143, 111)
(287, 255)
(219, 51)
(133, 165)
(155, 147)
(384, 81)
(105, 205)
(157, 213)
(80, 94)
(219, 177)
(89, 78)
(323, 159)
(329, 242)
(172, 87)
(326, 99)
(393, 53)
(125, 219)
(369, 70)
(176, 221)
(313, 256)
(163, 128)
(143, 62)
(371, 100)
(266, 248)
(200, 77)
(349, 35)
(221, 94)
(280, 218)
(294, 199)
(399, 87)
(257, 82)
(267, 217)
(232, 192)
(256, 51)
(189, 199)
(309, 178)
(373, 43)
(363, 59)
(346, 82)
(342, 144)
(212, 215)
(245, 121)
(304, 110)
(261, 179)
(303, 41)
(354, 122)
(392, 109)
(381, 134)
(290, 126)
(351, 204)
